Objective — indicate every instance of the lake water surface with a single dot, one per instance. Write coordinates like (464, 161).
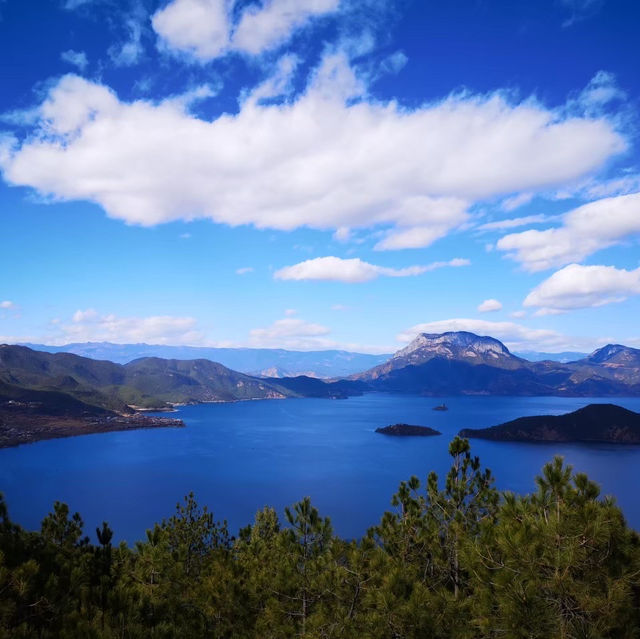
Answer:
(238, 457)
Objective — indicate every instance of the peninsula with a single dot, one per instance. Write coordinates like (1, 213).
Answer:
(27, 416)
(593, 423)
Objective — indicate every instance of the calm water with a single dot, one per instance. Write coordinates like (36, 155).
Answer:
(240, 457)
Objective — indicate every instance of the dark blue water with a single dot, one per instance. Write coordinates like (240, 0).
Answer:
(239, 457)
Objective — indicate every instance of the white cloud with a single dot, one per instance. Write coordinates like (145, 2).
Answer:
(298, 334)
(91, 326)
(515, 222)
(83, 316)
(580, 10)
(290, 312)
(616, 186)
(244, 270)
(455, 262)
(328, 159)
(443, 214)
(518, 314)
(291, 332)
(516, 201)
(489, 306)
(129, 52)
(598, 95)
(76, 58)
(6, 304)
(342, 234)
(585, 230)
(514, 336)
(204, 29)
(261, 29)
(577, 286)
(353, 270)
(70, 5)
(198, 27)
(394, 63)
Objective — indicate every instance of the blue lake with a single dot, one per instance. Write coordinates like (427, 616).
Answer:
(238, 457)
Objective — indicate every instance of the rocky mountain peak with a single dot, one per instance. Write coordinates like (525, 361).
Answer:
(615, 353)
(453, 345)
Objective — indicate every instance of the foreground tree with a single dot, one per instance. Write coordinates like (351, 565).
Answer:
(451, 561)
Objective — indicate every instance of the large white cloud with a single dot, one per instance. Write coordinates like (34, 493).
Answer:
(576, 286)
(354, 269)
(584, 231)
(515, 336)
(205, 29)
(330, 158)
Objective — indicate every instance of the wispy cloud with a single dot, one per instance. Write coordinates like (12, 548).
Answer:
(585, 230)
(76, 58)
(581, 10)
(500, 225)
(354, 270)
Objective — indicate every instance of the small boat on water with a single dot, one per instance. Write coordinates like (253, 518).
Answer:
(440, 407)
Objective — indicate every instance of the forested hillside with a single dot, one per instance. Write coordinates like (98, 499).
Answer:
(452, 559)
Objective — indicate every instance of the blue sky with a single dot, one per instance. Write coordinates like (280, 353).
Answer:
(313, 174)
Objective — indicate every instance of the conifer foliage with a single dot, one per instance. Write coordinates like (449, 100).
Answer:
(455, 559)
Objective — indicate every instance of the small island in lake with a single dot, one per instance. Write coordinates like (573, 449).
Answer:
(406, 430)
(602, 423)
(441, 407)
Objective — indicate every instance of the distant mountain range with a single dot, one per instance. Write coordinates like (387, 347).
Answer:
(454, 363)
(150, 382)
(265, 362)
(458, 363)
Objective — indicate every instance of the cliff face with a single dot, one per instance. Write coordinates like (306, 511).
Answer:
(593, 423)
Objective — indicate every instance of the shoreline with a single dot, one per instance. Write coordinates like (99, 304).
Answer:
(16, 430)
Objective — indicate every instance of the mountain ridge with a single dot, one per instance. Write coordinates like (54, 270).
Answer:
(459, 362)
(267, 362)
